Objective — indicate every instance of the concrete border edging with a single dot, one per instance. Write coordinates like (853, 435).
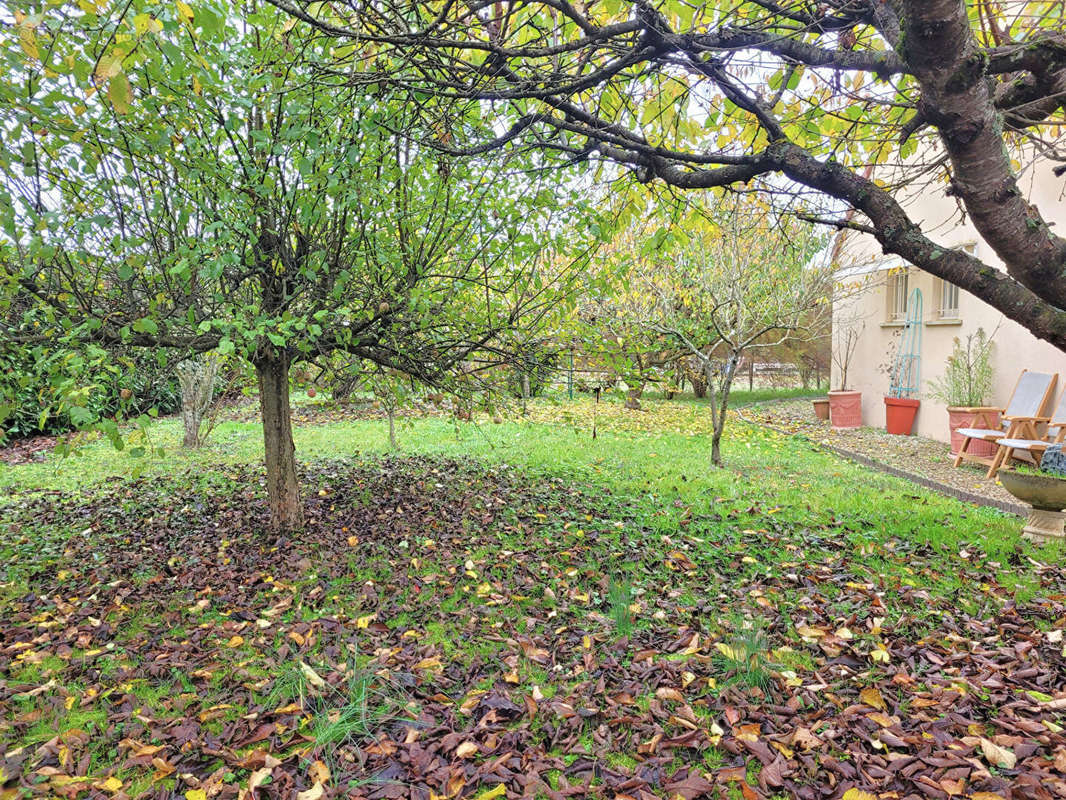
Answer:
(928, 483)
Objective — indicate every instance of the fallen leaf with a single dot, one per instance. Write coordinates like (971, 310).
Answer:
(998, 756)
(871, 696)
(312, 677)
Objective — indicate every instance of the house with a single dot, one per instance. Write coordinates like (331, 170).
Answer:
(873, 299)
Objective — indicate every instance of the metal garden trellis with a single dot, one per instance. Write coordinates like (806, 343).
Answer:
(901, 403)
(907, 369)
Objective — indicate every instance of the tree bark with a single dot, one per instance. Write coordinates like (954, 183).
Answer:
(957, 98)
(283, 488)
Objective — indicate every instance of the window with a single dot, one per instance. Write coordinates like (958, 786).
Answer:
(949, 301)
(897, 295)
(947, 294)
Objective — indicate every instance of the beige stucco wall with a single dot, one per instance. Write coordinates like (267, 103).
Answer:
(863, 299)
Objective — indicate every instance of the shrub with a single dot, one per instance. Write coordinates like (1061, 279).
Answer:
(48, 391)
(967, 380)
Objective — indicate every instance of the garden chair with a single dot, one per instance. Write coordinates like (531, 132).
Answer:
(1026, 410)
(1055, 434)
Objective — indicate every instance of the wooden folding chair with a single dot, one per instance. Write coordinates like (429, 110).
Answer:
(1055, 434)
(1026, 410)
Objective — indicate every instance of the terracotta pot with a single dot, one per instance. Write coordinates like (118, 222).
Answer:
(967, 417)
(845, 408)
(899, 415)
(821, 408)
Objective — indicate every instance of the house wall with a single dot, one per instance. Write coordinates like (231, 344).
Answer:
(863, 301)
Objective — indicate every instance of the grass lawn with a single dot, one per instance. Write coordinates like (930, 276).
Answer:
(518, 609)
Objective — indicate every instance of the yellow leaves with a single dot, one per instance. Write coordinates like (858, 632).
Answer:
(499, 790)
(196, 794)
(880, 655)
(471, 701)
(364, 622)
(185, 13)
(727, 651)
(235, 641)
(111, 784)
(28, 42)
(120, 94)
(146, 23)
(431, 663)
(858, 794)
(871, 696)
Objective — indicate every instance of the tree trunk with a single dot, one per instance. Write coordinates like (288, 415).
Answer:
(720, 404)
(196, 377)
(633, 394)
(283, 488)
(392, 427)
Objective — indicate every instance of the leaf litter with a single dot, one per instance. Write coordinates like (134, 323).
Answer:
(445, 629)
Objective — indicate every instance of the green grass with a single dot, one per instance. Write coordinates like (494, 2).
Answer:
(660, 454)
(609, 532)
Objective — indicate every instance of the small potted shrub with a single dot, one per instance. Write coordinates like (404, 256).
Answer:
(845, 405)
(966, 386)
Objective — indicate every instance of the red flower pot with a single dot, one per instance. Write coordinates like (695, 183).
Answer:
(845, 408)
(972, 417)
(899, 415)
(821, 408)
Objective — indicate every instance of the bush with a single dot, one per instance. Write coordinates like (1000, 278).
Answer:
(47, 391)
(967, 380)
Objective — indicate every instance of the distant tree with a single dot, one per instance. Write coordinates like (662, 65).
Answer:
(210, 193)
(732, 280)
(951, 95)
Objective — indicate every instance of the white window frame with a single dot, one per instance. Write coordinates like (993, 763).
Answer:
(948, 293)
(949, 300)
(897, 299)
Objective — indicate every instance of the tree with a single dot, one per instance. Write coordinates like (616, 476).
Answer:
(701, 95)
(613, 313)
(730, 280)
(210, 193)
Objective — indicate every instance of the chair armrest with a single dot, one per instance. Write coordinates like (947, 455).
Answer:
(1020, 418)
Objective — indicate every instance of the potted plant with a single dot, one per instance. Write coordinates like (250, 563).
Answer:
(845, 405)
(965, 387)
(1044, 490)
(901, 408)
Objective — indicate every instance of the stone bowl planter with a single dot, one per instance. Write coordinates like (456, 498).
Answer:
(1047, 496)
